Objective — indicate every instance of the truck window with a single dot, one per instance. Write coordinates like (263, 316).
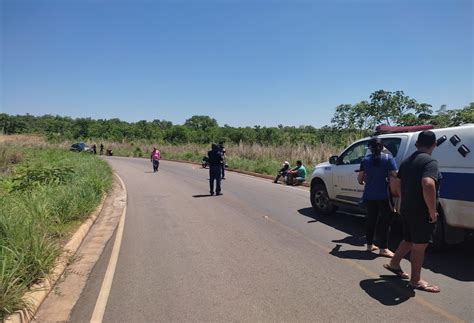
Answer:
(392, 145)
(354, 154)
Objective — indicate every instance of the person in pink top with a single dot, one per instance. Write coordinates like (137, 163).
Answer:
(155, 159)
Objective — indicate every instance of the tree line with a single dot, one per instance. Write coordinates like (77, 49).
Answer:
(197, 129)
(349, 122)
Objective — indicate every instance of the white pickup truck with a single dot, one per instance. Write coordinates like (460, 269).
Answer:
(334, 183)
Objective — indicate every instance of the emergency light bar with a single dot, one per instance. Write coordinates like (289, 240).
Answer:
(383, 129)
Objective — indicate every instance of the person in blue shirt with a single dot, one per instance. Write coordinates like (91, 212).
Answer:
(374, 171)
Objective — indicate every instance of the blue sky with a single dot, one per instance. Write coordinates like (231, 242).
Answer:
(243, 63)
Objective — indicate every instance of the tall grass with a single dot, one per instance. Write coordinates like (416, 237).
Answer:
(41, 199)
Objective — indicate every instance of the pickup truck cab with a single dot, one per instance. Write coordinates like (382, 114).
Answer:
(334, 183)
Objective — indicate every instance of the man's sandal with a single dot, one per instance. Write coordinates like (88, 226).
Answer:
(426, 288)
(397, 271)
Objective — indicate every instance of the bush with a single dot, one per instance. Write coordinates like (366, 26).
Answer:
(137, 152)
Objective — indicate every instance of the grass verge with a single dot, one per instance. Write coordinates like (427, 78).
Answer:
(44, 195)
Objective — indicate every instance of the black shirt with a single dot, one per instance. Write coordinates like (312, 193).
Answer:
(215, 157)
(412, 170)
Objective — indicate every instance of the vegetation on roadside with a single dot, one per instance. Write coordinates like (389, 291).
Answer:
(391, 108)
(44, 194)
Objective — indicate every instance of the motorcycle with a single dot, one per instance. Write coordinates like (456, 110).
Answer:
(205, 162)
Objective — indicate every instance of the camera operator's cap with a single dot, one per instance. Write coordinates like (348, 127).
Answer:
(426, 138)
(286, 163)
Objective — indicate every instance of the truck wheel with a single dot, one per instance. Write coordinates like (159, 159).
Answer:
(438, 242)
(320, 200)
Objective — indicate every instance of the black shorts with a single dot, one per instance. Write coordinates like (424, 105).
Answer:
(416, 227)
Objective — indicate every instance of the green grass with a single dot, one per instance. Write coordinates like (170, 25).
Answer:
(259, 165)
(42, 199)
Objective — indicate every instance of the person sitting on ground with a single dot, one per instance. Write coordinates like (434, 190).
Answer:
(282, 172)
(296, 175)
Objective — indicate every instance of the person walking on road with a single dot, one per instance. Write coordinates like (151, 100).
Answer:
(419, 180)
(374, 171)
(215, 166)
(155, 159)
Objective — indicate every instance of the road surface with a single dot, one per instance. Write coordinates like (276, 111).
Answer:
(256, 253)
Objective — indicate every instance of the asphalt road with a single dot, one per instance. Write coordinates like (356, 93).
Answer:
(257, 253)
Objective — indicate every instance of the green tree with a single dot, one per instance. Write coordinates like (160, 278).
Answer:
(454, 117)
(203, 123)
(467, 114)
(391, 108)
(177, 135)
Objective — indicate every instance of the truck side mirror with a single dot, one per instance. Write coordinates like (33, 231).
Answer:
(333, 160)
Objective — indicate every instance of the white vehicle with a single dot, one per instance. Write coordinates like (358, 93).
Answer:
(334, 183)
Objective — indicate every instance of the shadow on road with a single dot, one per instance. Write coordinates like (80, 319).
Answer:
(388, 290)
(352, 254)
(352, 225)
(456, 262)
(202, 195)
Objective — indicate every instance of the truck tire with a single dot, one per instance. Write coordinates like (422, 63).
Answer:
(320, 200)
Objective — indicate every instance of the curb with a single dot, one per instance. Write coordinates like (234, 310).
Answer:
(39, 292)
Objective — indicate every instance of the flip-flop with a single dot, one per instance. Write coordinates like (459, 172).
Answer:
(426, 288)
(397, 271)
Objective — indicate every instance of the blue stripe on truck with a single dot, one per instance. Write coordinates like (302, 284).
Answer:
(457, 186)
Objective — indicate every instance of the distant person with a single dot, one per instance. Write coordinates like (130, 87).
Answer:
(155, 159)
(374, 171)
(419, 180)
(94, 149)
(296, 175)
(282, 172)
(222, 150)
(215, 167)
(101, 149)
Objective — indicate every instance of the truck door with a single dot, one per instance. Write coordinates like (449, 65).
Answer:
(346, 187)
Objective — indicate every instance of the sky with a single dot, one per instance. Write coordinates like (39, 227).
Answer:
(242, 62)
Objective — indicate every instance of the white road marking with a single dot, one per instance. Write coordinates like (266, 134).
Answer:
(103, 297)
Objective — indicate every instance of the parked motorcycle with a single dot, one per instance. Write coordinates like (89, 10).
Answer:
(205, 162)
